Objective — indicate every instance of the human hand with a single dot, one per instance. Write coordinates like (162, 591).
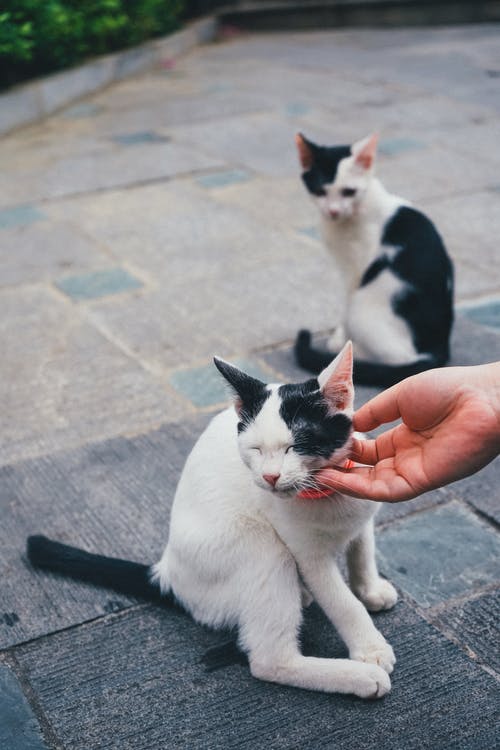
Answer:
(450, 428)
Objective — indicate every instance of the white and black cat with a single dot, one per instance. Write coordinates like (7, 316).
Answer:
(396, 277)
(246, 549)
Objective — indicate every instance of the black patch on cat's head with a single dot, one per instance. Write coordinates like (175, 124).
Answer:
(315, 431)
(251, 393)
(323, 171)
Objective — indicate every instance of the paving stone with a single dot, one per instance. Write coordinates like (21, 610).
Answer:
(473, 344)
(98, 284)
(114, 167)
(440, 553)
(487, 314)
(20, 216)
(45, 250)
(78, 386)
(221, 179)
(204, 386)
(111, 497)
(19, 729)
(82, 110)
(393, 146)
(142, 136)
(479, 490)
(476, 625)
(146, 666)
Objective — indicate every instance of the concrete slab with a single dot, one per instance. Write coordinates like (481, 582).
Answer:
(78, 386)
(475, 624)
(44, 251)
(112, 497)
(144, 665)
(98, 284)
(440, 553)
(19, 728)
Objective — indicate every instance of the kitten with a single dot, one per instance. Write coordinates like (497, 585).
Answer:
(396, 277)
(247, 550)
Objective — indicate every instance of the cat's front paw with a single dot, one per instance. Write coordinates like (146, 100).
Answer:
(336, 340)
(377, 596)
(369, 681)
(377, 652)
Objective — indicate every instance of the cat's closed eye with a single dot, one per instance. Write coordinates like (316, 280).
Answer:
(348, 192)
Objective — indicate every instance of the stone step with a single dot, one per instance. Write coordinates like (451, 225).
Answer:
(312, 14)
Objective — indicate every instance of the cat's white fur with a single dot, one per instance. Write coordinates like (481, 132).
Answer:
(241, 554)
(352, 228)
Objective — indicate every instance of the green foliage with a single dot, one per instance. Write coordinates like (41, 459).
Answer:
(39, 36)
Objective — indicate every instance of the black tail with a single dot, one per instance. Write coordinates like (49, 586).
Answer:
(365, 373)
(130, 578)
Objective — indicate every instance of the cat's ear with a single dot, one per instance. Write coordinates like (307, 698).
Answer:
(335, 382)
(246, 388)
(364, 151)
(306, 151)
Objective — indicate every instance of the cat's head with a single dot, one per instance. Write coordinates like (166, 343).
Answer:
(287, 432)
(337, 176)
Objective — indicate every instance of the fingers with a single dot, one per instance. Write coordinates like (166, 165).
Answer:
(364, 451)
(365, 483)
(380, 410)
(355, 482)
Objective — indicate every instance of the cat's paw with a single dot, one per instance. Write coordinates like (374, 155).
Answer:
(369, 681)
(377, 652)
(377, 596)
(336, 340)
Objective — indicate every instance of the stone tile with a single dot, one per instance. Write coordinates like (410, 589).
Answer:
(20, 216)
(222, 179)
(473, 344)
(487, 314)
(86, 681)
(46, 250)
(82, 110)
(141, 136)
(98, 284)
(394, 146)
(260, 142)
(476, 625)
(109, 168)
(479, 490)
(440, 553)
(469, 226)
(19, 729)
(312, 232)
(77, 386)
(204, 386)
(112, 497)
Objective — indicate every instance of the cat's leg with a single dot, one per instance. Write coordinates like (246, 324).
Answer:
(337, 339)
(268, 632)
(375, 592)
(365, 643)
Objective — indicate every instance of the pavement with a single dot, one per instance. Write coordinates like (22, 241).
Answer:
(160, 222)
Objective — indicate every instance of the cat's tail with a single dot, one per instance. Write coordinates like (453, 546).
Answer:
(122, 576)
(365, 373)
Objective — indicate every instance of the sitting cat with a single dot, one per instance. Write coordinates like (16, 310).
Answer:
(246, 550)
(396, 277)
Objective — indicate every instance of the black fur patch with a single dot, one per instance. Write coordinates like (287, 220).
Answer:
(324, 168)
(305, 412)
(251, 406)
(373, 270)
(423, 263)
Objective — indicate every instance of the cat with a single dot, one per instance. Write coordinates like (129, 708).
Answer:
(396, 276)
(248, 547)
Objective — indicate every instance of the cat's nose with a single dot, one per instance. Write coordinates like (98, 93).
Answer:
(334, 213)
(271, 478)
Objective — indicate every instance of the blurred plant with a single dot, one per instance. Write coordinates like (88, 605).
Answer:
(39, 36)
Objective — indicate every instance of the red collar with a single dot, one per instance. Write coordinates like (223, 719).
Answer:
(310, 494)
